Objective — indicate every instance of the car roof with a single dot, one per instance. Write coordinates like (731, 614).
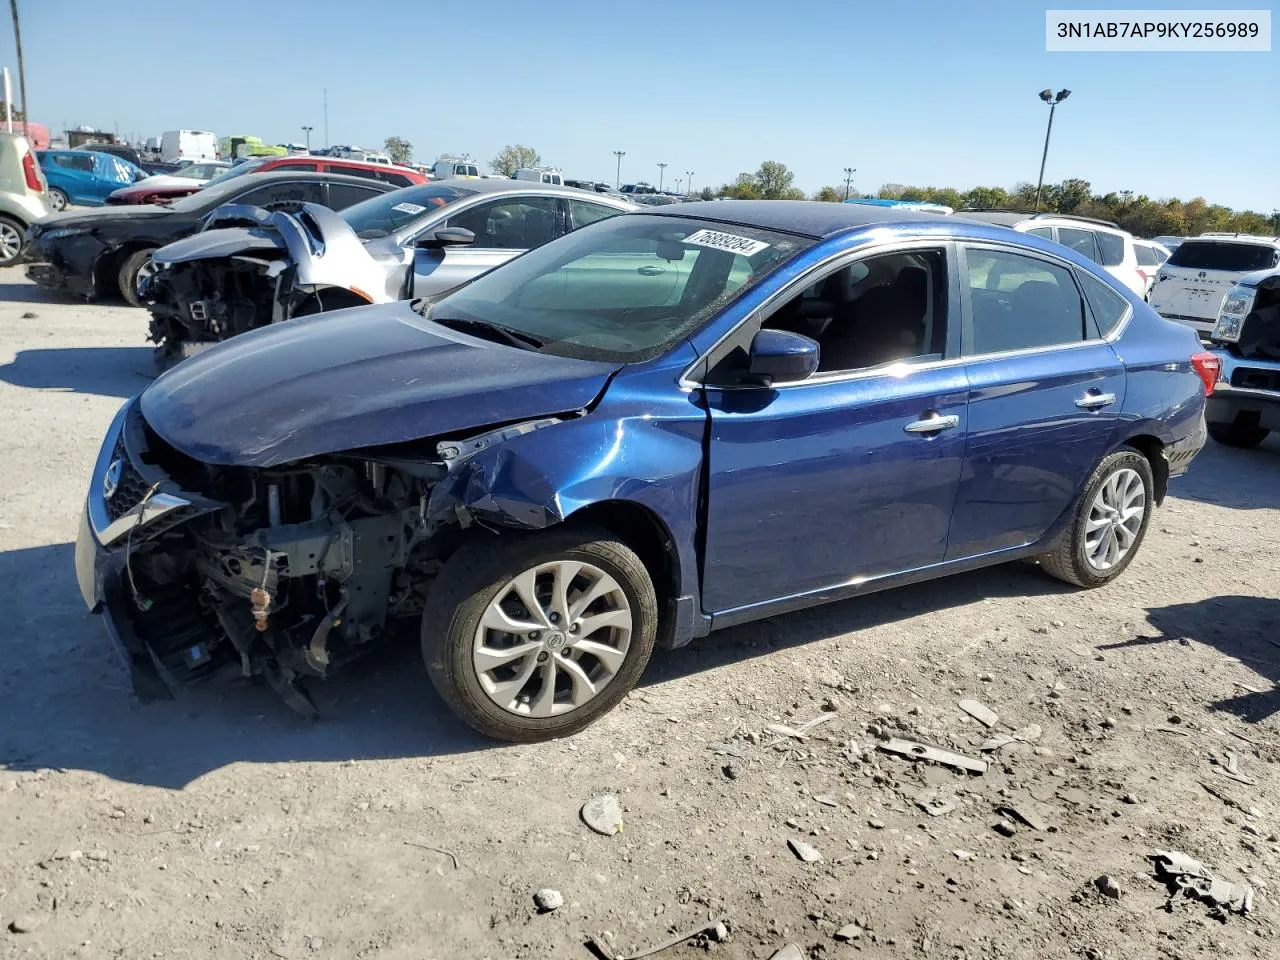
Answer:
(503, 185)
(805, 217)
(295, 159)
(307, 176)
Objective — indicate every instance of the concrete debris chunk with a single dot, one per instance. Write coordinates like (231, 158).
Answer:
(804, 851)
(850, 931)
(934, 804)
(922, 751)
(603, 814)
(1023, 814)
(547, 900)
(1108, 887)
(1188, 877)
(984, 715)
(789, 952)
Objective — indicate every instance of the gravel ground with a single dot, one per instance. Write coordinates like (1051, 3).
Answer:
(220, 825)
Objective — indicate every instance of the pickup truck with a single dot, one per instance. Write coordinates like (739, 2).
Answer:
(1245, 406)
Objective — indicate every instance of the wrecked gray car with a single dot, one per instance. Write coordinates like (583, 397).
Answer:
(1244, 408)
(250, 267)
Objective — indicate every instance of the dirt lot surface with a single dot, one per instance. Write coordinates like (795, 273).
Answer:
(221, 825)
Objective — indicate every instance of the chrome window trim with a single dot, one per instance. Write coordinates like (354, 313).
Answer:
(836, 261)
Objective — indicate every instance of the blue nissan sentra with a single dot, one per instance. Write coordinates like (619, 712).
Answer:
(659, 425)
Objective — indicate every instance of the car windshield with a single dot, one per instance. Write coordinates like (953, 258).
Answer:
(1223, 255)
(239, 170)
(199, 171)
(622, 289)
(383, 215)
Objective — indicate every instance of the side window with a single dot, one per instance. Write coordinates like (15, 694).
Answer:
(1112, 246)
(343, 195)
(303, 167)
(1045, 232)
(518, 223)
(1146, 256)
(1081, 241)
(583, 212)
(1019, 302)
(289, 193)
(73, 161)
(1108, 306)
(879, 310)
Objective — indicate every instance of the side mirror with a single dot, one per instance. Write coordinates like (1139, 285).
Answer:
(446, 237)
(782, 356)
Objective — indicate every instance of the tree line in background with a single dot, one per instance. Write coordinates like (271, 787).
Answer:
(1140, 215)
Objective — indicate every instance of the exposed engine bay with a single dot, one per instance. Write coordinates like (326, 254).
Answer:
(1260, 332)
(284, 572)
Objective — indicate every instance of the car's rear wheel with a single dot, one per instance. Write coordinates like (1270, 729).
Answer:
(127, 278)
(533, 637)
(13, 237)
(58, 199)
(1110, 523)
(1243, 431)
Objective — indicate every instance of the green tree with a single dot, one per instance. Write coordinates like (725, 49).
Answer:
(1072, 193)
(513, 157)
(707, 194)
(986, 198)
(17, 112)
(775, 182)
(830, 194)
(744, 188)
(398, 149)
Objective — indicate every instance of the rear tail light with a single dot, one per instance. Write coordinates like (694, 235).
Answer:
(29, 172)
(1207, 366)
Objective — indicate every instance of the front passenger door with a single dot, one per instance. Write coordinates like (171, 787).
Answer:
(1045, 394)
(504, 228)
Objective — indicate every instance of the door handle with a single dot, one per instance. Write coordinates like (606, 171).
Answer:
(1096, 401)
(648, 271)
(932, 424)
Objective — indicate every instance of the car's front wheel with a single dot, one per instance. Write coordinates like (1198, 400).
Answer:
(1110, 522)
(533, 637)
(127, 278)
(1243, 431)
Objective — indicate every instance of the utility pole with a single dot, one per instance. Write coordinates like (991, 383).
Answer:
(848, 180)
(662, 168)
(307, 131)
(22, 70)
(1052, 99)
(618, 176)
(688, 185)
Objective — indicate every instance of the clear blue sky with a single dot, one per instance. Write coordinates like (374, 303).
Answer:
(940, 93)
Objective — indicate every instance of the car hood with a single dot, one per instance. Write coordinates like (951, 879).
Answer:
(355, 378)
(89, 218)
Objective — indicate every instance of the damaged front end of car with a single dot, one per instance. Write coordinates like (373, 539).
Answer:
(279, 573)
(250, 267)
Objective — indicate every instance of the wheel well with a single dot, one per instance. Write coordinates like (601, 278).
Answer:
(328, 298)
(1151, 448)
(641, 530)
(106, 271)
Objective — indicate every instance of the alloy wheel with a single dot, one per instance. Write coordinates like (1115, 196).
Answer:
(552, 639)
(1115, 519)
(10, 242)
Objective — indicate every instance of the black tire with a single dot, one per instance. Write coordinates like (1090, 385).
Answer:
(471, 579)
(1069, 562)
(10, 227)
(58, 199)
(127, 278)
(1242, 432)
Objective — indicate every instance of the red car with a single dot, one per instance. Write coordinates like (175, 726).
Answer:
(400, 176)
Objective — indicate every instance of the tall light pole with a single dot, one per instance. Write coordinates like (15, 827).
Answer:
(662, 168)
(678, 182)
(688, 184)
(1052, 99)
(848, 180)
(22, 70)
(307, 131)
(618, 176)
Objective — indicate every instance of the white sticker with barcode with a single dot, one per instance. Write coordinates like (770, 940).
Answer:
(730, 242)
(410, 208)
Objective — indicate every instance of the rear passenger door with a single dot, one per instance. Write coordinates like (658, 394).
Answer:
(1045, 394)
(285, 195)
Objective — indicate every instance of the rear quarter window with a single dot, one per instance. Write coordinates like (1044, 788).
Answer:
(1223, 255)
(1108, 307)
(1146, 255)
(1112, 247)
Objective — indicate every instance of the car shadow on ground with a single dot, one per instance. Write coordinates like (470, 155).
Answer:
(1241, 627)
(104, 371)
(66, 702)
(772, 634)
(35, 294)
(1230, 477)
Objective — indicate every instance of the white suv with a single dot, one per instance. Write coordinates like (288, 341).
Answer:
(1099, 240)
(1198, 275)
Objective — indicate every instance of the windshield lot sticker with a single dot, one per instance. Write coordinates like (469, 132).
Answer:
(716, 240)
(410, 208)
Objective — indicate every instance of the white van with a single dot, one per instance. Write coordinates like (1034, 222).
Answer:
(455, 168)
(377, 158)
(539, 175)
(178, 145)
(1198, 275)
